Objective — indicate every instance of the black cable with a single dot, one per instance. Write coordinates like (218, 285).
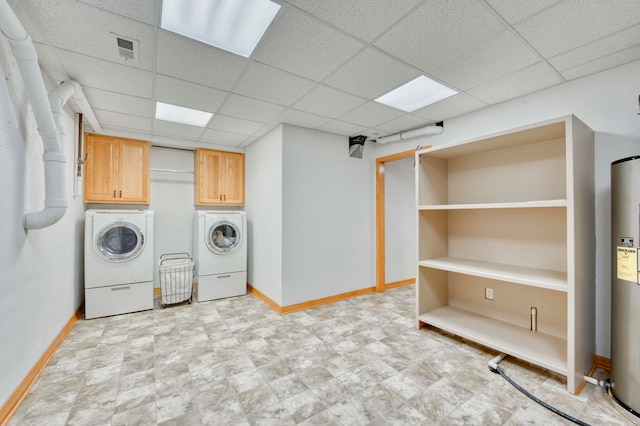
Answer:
(607, 386)
(498, 370)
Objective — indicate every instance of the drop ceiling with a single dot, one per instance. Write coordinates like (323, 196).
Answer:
(321, 63)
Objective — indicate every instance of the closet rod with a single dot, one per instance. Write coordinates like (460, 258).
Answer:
(172, 147)
(173, 171)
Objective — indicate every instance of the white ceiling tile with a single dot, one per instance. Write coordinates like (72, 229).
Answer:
(405, 122)
(373, 133)
(106, 75)
(191, 60)
(341, 128)
(265, 129)
(90, 31)
(183, 93)
(451, 107)
(118, 102)
(223, 138)
(248, 141)
(328, 102)
(527, 80)
(601, 64)
(234, 125)
(500, 55)
(273, 85)
(171, 128)
(365, 19)
(28, 19)
(516, 10)
(140, 10)
(371, 74)
(603, 47)
(574, 23)
(331, 45)
(301, 45)
(123, 121)
(144, 135)
(250, 109)
(371, 114)
(439, 30)
(302, 119)
(50, 62)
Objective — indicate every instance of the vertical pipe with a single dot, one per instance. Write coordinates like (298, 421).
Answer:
(48, 115)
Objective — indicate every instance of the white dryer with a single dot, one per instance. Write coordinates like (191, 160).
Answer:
(118, 262)
(220, 252)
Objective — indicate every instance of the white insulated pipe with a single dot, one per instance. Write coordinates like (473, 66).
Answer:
(80, 104)
(48, 115)
(493, 364)
(430, 130)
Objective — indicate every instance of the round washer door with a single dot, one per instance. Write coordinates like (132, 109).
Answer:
(223, 237)
(119, 242)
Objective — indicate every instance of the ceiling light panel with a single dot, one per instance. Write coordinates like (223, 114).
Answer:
(233, 25)
(178, 114)
(416, 94)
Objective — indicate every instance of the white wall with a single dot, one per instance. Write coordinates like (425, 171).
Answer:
(263, 204)
(41, 285)
(172, 197)
(608, 103)
(327, 217)
(400, 220)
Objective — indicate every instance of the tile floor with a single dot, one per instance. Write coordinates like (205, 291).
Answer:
(236, 362)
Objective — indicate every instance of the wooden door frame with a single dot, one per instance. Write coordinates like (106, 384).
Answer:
(380, 218)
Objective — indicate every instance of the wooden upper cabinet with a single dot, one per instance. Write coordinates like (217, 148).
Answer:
(116, 170)
(233, 180)
(219, 177)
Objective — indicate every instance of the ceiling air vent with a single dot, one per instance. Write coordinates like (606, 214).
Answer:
(127, 48)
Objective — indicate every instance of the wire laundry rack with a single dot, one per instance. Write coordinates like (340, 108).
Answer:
(177, 272)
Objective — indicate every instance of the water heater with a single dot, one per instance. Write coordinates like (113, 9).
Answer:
(625, 283)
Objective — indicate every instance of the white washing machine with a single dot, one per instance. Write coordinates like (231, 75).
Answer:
(118, 262)
(220, 252)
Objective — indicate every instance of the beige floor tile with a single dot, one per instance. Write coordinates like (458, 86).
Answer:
(236, 362)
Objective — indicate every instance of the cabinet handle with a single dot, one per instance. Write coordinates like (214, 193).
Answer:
(120, 193)
(225, 197)
(223, 276)
(120, 288)
(220, 197)
(114, 193)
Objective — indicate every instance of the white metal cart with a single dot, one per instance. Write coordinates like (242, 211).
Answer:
(177, 271)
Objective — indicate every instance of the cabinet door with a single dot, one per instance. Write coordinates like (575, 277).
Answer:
(233, 179)
(207, 167)
(134, 172)
(116, 170)
(101, 169)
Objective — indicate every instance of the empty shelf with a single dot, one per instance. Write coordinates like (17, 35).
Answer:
(542, 278)
(547, 351)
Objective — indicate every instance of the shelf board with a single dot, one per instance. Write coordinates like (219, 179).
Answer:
(549, 130)
(541, 278)
(547, 351)
(510, 205)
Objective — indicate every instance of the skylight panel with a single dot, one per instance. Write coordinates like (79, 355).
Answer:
(178, 114)
(416, 94)
(233, 25)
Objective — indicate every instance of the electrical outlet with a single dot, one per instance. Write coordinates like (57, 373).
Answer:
(488, 293)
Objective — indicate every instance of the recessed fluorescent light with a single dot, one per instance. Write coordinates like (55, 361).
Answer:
(416, 94)
(233, 25)
(178, 114)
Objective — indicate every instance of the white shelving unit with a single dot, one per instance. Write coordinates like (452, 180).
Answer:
(513, 212)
